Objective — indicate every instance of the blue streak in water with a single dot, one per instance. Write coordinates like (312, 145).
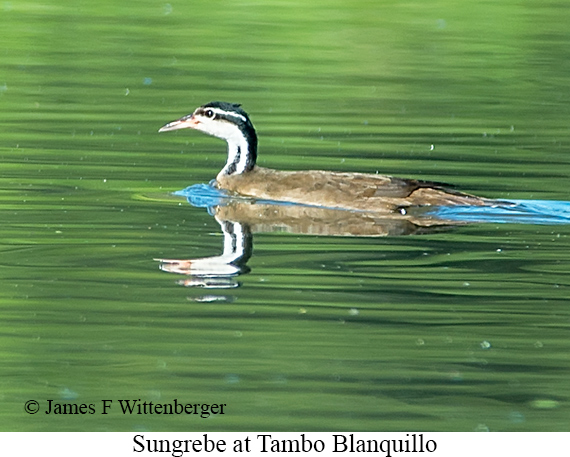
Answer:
(203, 195)
(546, 212)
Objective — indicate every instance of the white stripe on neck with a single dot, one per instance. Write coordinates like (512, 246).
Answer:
(238, 153)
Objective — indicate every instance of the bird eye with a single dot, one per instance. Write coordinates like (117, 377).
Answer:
(209, 113)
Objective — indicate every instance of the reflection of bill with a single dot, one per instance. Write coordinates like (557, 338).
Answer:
(216, 271)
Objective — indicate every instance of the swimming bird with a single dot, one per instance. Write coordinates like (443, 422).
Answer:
(329, 189)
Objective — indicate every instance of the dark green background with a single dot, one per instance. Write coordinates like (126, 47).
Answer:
(461, 330)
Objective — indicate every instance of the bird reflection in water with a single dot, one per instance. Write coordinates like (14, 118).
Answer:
(240, 219)
(217, 271)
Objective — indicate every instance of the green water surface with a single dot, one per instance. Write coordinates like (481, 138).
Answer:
(459, 330)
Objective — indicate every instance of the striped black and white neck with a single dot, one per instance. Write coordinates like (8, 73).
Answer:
(229, 122)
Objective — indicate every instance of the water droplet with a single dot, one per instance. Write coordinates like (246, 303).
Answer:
(68, 394)
(232, 379)
(516, 417)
